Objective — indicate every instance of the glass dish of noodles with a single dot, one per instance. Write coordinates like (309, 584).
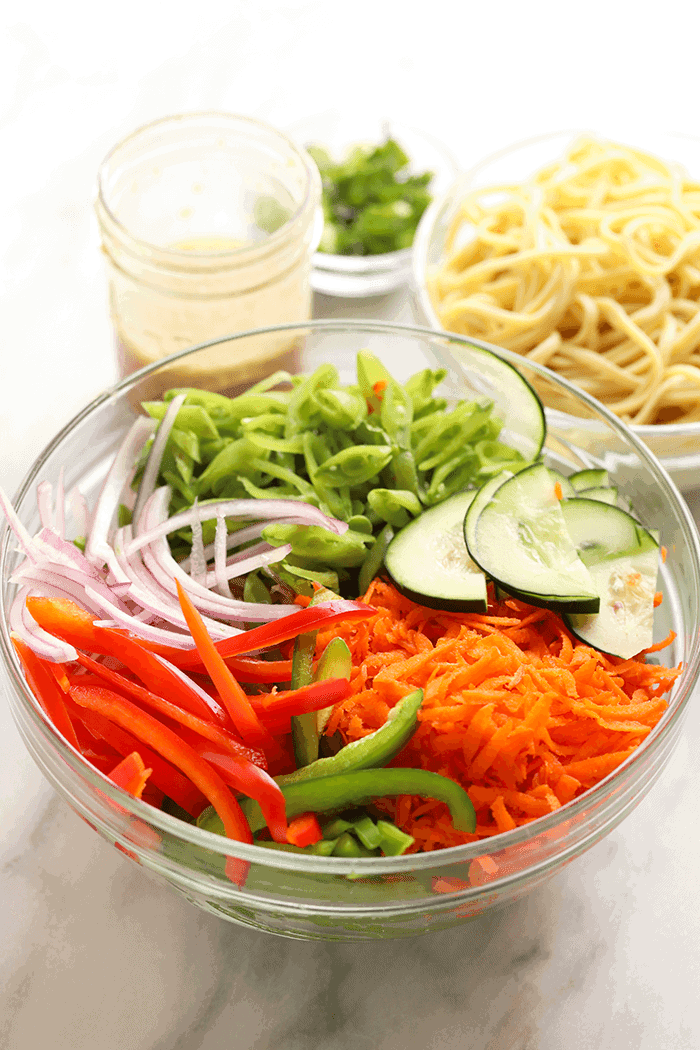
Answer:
(582, 253)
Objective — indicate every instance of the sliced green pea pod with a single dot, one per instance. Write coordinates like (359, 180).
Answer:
(217, 405)
(335, 828)
(326, 579)
(360, 523)
(371, 371)
(335, 662)
(271, 381)
(302, 410)
(232, 460)
(353, 466)
(340, 409)
(319, 546)
(189, 417)
(271, 443)
(367, 832)
(420, 387)
(375, 558)
(304, 727)
(396, 414)
(348, 846)
(392, 505)
(404, 474)
(393, 841)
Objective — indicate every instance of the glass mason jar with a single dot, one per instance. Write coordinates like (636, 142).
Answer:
(208, 222)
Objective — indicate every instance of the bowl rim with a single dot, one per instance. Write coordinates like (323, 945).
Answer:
(219, 845)
(426, 227)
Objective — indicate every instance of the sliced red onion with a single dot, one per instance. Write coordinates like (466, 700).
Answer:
(79, 510)
(155, 456)
(288, 512)
(233, 539)
(59, 585)
(158, 595)
(98, 549)
(158, 559)
(44, 499)
(144, 630)
(21, 534)
(60, 509)
(199, 565)
(61, 552)
(259, 556)
(26, 627)
(220, 579)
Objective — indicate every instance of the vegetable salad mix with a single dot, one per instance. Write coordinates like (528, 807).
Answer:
(225, 643)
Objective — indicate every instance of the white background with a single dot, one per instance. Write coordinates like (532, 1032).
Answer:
(91, 957)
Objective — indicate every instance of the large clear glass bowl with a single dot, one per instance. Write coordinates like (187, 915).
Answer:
(323, 898)
(677, 445)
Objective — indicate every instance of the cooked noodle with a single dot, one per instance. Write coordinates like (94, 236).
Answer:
(592, 268)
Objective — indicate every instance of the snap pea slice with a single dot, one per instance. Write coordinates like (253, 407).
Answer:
(375, 558)
(353, 466)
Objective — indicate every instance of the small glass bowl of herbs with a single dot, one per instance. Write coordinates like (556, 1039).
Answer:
(378, 178)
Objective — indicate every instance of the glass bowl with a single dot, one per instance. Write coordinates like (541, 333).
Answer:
(677, 445)
(324, 898)
(354, 276)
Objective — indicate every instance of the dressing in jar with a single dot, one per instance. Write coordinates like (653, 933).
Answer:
(208, 222)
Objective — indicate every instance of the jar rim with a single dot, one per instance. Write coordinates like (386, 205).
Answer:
(235, 255)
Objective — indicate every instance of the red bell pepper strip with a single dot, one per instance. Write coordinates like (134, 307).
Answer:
(234, 699)
(46, 689)
(173, 749)
(157, 676)
(131, 774)
(312, 697)
(66, 620)
(165, 776)
(304, 830)
(215, 733)
(271, 634)
(260, 671)
(254, 782)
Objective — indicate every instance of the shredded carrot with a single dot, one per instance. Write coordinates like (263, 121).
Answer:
(558, 490)
(515, 709)
(303, 600)
(664, 554)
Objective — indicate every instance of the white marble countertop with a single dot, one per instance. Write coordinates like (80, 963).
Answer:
(95, 956)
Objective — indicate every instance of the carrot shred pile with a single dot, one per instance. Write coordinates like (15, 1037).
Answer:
(515, 709)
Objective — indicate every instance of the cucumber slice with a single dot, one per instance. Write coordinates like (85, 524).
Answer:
(601, 531)
(622, 558)
(428, 560)
(589, 479)
(567, 489)
(605, 494)
(515, 401)
(521, 540)
(481, 500)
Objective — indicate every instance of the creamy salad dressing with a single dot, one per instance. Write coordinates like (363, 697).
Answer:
(187, 267)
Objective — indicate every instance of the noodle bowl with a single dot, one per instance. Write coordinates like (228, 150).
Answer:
(590, 266)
